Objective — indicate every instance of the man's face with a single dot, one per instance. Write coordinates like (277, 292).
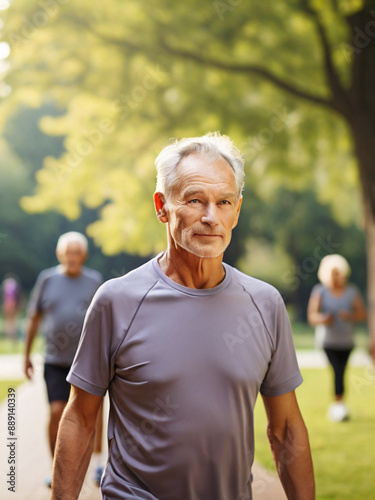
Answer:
(72, 258)
(203, 207)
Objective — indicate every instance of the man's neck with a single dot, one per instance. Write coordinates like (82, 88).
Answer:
(191, 271)
(70, 274)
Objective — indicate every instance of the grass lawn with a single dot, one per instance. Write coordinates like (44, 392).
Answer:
(303, 335)
(9, 346)
(5, 385)
(343, 453)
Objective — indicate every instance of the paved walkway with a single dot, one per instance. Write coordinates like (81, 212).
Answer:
(33, 461)
(33, 456)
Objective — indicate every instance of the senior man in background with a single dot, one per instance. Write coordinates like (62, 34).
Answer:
(60, 299)
(183, 345)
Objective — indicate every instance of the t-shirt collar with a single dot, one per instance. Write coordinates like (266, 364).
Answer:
(199, 292)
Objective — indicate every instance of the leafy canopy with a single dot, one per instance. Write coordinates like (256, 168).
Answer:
(129, 75)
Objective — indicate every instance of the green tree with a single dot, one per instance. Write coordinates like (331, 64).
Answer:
(291, 82)
(288, 239)
(28, 241)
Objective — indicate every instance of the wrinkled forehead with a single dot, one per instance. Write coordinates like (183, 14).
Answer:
(208, 171)
(73, 247)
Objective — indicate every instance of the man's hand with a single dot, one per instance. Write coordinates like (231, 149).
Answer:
(29, 368)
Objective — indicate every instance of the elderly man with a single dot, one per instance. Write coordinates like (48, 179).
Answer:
(184, 344)
(60, 299)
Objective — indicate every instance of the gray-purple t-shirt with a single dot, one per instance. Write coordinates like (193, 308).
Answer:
(183, 368)
(340, 334)
(63, 302)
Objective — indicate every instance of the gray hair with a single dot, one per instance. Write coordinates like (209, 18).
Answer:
(328, 264)
(212, 145)
(71, 237)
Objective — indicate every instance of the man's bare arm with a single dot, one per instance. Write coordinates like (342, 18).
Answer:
(75, 442)
(290, 446)
(31, 332)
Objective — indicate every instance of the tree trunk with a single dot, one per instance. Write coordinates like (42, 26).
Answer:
(364, 141)
(370, 233)
(360, 113)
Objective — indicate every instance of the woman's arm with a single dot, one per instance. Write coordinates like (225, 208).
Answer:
(358, 314)
(314, 316)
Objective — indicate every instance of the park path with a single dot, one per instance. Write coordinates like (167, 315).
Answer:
(33, 460)
(33, 456)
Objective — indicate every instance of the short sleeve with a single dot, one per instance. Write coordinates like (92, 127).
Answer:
(283, 374)
(35, 303)
(317, 289)
(92, 368)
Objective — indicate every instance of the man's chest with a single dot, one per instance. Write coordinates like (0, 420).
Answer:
(197, 343)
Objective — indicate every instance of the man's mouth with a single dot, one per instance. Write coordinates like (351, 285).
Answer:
(204, 235)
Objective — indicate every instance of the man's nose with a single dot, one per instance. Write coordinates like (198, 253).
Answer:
(210, 215)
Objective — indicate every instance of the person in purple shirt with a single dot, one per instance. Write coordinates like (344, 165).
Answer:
(183, 345)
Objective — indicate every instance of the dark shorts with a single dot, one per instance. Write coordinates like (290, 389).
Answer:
(58, 388)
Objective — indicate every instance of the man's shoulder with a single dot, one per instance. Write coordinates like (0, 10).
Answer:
(251, 283)
(49, 273)
(135, 283)
(255, 287)
(92, 274)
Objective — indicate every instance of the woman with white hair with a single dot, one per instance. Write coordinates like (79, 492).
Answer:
(334, 307)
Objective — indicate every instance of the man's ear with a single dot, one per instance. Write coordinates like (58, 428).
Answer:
(159, 202)
(59, 256)
(238, 212)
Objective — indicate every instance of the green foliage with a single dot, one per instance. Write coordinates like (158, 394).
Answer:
(289, 235)
(131, 75)
(27, 241)
(28, 142)
(5, 385)
(343, 453)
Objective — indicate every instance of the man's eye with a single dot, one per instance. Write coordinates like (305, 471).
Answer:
(225, 202)
(195, 200)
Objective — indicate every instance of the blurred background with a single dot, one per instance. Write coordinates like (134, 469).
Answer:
(91, 91)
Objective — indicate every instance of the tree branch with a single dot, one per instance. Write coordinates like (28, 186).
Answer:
(335, 5)
(216, 63)
(119, 42)
(250, 69)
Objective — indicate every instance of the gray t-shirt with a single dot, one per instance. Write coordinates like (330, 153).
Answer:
(183, 368)
(339, 335)
(63, 301)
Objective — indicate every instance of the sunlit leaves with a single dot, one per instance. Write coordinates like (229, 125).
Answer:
(113, 67)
